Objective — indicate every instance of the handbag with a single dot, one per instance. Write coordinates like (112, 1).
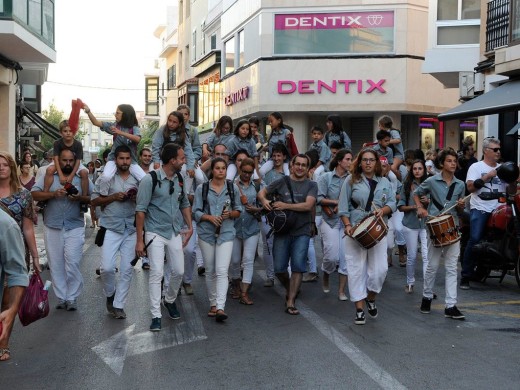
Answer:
(35, 301)
(100, 236)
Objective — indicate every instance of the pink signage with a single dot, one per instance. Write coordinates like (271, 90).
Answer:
(238, 96)
(331, 21)
(332, 86)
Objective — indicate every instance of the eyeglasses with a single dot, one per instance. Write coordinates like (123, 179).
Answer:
(494, 149)
(172, 187)
(368, 160)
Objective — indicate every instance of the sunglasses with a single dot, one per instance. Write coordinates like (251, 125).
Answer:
(494, 149)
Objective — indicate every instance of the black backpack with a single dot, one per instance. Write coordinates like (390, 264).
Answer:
(205, 191)
(156, 181)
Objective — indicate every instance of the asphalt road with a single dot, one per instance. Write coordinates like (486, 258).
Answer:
(260, 346)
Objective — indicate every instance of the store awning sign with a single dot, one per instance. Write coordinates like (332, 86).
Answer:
(237, 96)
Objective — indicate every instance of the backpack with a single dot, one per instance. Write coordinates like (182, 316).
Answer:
(205, 191)
(156, 181)
(341, 137)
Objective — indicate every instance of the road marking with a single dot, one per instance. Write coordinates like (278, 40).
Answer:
(114, 350)
(360, 359)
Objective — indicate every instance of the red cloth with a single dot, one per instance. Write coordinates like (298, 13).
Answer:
(77, 105)
(293, 149)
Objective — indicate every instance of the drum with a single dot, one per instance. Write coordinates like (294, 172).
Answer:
(443, 230)
(369, 231)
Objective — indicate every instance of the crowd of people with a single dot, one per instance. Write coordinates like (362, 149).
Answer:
(180, 205)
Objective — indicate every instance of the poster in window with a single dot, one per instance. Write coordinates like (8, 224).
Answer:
(427, 139)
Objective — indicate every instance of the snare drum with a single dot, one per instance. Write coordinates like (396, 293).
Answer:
(369, 231)
(443, 230)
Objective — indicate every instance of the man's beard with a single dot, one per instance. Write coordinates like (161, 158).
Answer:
(123, 167)
(67, 169)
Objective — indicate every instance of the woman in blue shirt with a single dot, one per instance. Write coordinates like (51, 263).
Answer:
(216, 231)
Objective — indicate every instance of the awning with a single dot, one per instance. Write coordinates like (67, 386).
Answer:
(503, 98)
(46, 127)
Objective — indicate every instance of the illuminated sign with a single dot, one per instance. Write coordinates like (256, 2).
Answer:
(238, 96)
(333, 86)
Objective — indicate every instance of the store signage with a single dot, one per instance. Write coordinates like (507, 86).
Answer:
(238, 96)
(332, 21)
(318, 86)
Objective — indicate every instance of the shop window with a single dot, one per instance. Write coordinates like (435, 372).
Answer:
(241, 48)
(458, 22)
(229, 48)
(172, 77)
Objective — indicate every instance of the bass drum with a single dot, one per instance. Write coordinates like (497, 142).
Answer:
(500, 217)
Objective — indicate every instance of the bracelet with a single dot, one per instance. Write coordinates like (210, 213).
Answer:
(348, 224)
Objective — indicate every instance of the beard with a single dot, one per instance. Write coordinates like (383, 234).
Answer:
(123, 167)
(67, 169)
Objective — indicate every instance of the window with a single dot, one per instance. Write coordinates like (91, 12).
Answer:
(209, 99)
(458, 22)
(213, 41)
(152, 96)
(181, 11)
(194, 46)
(172, 77)
(229, 48)
(241, 48)
(515, 20)
(187, 59)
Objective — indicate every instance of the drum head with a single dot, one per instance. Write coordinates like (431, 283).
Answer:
(363, 225)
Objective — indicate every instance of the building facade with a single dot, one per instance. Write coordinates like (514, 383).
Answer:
(26, 49)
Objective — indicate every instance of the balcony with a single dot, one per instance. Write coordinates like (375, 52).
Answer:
(27, 30)
(503, 36)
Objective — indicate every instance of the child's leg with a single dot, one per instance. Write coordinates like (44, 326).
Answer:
(231, 171)
(104, 180)
(136, 171)
(49, 177)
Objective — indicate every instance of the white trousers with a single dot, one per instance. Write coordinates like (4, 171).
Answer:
(124, 244)
(333, 248)
(175, 262)
(110, 170)
(269, 164)
(367, 268)
(395, 229)
(412, 237)
(64, 253)
(189, 257)
(451, 256)
(216, 260)
(244, 251)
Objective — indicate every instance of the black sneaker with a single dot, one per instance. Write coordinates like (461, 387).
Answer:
(426, 305)
(453, 312)
(464, 284)
(360, 318)
(201, 271)
(110, 303)
(83, 207)
(119, 314)
(156, 325)
(371, 308)
(172, 310)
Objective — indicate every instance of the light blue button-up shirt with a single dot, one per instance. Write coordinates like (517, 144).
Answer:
(160, 207)
(359, 192)
(158, 144)
(247, 225)
(323, 150)
(193, 135)
(120, 140)
(216, 202)
(237, 143)
(329, 187)
(410, 219)
(62, 213)
(118, 216)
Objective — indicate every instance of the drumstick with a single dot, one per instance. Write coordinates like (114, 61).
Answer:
(380, 218)
(455, 205)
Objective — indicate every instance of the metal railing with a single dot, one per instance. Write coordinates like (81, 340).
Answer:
(35, 16)
(497, 30)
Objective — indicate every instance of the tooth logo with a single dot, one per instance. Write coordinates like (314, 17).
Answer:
(375, 20)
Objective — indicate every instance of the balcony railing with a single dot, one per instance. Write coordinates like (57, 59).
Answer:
(497, 31)
(37, 16)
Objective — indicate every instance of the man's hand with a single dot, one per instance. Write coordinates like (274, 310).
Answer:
(186, 235)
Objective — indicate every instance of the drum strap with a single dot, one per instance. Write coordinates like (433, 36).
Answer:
(373, 185)
(448, 198)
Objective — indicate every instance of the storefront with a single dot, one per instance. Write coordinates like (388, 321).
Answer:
(348, 63)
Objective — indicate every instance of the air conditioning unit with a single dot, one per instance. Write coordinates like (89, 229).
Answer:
(466, 85)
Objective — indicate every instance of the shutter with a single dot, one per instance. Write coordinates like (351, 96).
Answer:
(360, 132)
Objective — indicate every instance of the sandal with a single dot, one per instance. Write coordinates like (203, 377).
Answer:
(5, 352)
(245, 299)
(292, 310)
(212, 311)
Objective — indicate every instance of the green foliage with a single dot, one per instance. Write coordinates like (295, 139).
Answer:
(54, 116)
(147, 131)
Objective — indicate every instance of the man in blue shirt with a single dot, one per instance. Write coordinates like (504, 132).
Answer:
(157, 206)
(118, 220)
(64, 232)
